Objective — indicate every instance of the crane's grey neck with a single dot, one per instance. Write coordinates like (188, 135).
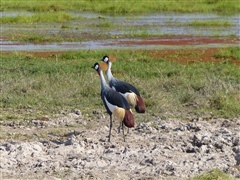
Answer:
(109, 72)
(103, 81)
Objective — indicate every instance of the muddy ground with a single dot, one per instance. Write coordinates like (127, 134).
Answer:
(159, 149)
(72, 146)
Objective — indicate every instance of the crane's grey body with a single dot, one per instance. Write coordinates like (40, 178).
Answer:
(127, 90)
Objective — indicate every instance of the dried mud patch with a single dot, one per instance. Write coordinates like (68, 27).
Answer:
(190, 56)
(159, 149)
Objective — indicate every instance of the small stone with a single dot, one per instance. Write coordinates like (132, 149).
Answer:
(78, 112)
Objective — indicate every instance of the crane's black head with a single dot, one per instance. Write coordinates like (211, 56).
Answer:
(96, 66)
(105, 59)
(100, 67)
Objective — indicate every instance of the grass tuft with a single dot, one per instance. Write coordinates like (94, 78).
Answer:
(214, 174)
(230, 52)
(104, 24)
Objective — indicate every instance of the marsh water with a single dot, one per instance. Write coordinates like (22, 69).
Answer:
(111, 30)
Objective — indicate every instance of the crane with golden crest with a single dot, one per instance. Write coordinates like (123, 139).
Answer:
(127, 90)
(114, 103)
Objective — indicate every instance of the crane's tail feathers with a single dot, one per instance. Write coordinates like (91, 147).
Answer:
(128, 119)
(140, 105)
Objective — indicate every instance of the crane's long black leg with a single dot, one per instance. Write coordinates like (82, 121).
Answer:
(119, 127)
(110, 128)
(123, 132)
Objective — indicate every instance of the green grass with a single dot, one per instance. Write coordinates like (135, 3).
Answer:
(124, 6)
(104, 24)
(209, 23)
(38, 38)
(142, 32)
(33, 86)
(214, 174)
(39, 17)
(231, 52)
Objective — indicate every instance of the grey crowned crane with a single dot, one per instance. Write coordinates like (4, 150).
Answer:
(114, 103)
(127, 90)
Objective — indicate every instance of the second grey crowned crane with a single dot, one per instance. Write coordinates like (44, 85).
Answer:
(114, 103)
(128, 91)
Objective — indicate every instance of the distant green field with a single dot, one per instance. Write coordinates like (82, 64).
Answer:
(125, 6)
(39, 17)
(43, 86)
